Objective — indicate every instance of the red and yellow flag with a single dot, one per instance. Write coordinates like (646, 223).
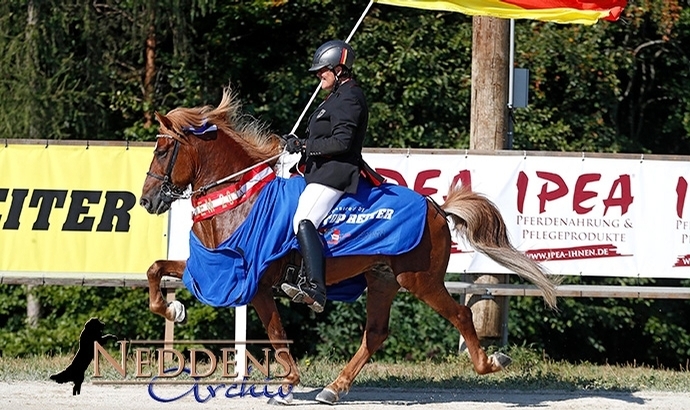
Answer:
(559, 11)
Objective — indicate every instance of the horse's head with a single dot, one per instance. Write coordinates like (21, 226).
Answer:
(171, 169)
(197, 147)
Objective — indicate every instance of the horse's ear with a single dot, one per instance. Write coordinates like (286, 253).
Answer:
(165, 122)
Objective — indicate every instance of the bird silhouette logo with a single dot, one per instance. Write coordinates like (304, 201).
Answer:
(92, 332)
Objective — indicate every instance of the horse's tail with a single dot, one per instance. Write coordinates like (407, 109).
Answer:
(480, 222)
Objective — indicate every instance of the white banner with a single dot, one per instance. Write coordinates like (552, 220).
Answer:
(576, 215)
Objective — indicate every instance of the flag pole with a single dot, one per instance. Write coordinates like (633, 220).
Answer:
(318, 87)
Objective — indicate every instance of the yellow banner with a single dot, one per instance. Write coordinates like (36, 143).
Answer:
(74, 209)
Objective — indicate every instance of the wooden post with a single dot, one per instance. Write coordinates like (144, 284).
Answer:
(169, 337)
(33, 307)
(488, 127)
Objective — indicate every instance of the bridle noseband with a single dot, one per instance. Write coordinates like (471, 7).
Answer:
(169, 192)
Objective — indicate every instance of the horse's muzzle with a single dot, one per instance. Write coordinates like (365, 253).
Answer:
(154, 207)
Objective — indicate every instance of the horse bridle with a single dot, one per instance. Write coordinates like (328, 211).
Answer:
(170, 192)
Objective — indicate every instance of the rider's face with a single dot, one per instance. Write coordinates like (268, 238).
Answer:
(327, 77)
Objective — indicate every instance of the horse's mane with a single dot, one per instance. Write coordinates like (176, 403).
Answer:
(251, 133)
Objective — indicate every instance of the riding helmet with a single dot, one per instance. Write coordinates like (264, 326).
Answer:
(332, 54)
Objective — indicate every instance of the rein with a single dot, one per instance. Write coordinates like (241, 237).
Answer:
(245, 184)
(205, 188)
(168, 189)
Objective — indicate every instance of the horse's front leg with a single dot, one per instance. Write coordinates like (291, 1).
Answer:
(157, 304)
(267, 311)
(381, 290)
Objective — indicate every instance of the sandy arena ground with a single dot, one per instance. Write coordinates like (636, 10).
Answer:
(44, 395)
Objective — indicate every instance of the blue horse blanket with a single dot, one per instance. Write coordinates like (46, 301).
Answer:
(386, 220)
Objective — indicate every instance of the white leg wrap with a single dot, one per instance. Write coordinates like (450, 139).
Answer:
(180, 311)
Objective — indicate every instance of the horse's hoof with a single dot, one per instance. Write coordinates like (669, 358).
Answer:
(501, 360)
(327, 396)
(279, 400)
(180, 312)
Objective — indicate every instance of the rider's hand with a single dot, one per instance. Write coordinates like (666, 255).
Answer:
(293, 144)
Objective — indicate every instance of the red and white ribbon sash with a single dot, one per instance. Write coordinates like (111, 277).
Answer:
(229, 198)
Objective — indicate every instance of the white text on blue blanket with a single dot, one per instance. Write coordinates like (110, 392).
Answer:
(383, 213)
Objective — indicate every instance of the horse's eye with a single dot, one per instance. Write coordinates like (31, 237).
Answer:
(161, 153)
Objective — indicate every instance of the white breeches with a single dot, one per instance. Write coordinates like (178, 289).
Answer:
(315, 203)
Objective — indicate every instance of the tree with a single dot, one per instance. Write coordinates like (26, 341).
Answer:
(611, 87)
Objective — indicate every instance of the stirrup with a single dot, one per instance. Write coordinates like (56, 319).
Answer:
(293, 289)
(299, 295)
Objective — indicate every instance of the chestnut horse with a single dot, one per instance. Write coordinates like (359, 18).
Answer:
(205, 162)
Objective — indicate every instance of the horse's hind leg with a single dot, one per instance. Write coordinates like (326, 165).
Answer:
(157, 303)
(430, 289)
(381, 290)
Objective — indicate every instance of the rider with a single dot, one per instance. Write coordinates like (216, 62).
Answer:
(332, 156)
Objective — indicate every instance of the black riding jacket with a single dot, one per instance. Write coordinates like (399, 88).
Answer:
(336, 133)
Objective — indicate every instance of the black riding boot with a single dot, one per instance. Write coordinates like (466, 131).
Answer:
(311, 288)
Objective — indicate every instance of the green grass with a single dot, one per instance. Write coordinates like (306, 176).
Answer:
(529, 371)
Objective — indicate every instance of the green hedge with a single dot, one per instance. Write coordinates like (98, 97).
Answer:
(654, 332)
